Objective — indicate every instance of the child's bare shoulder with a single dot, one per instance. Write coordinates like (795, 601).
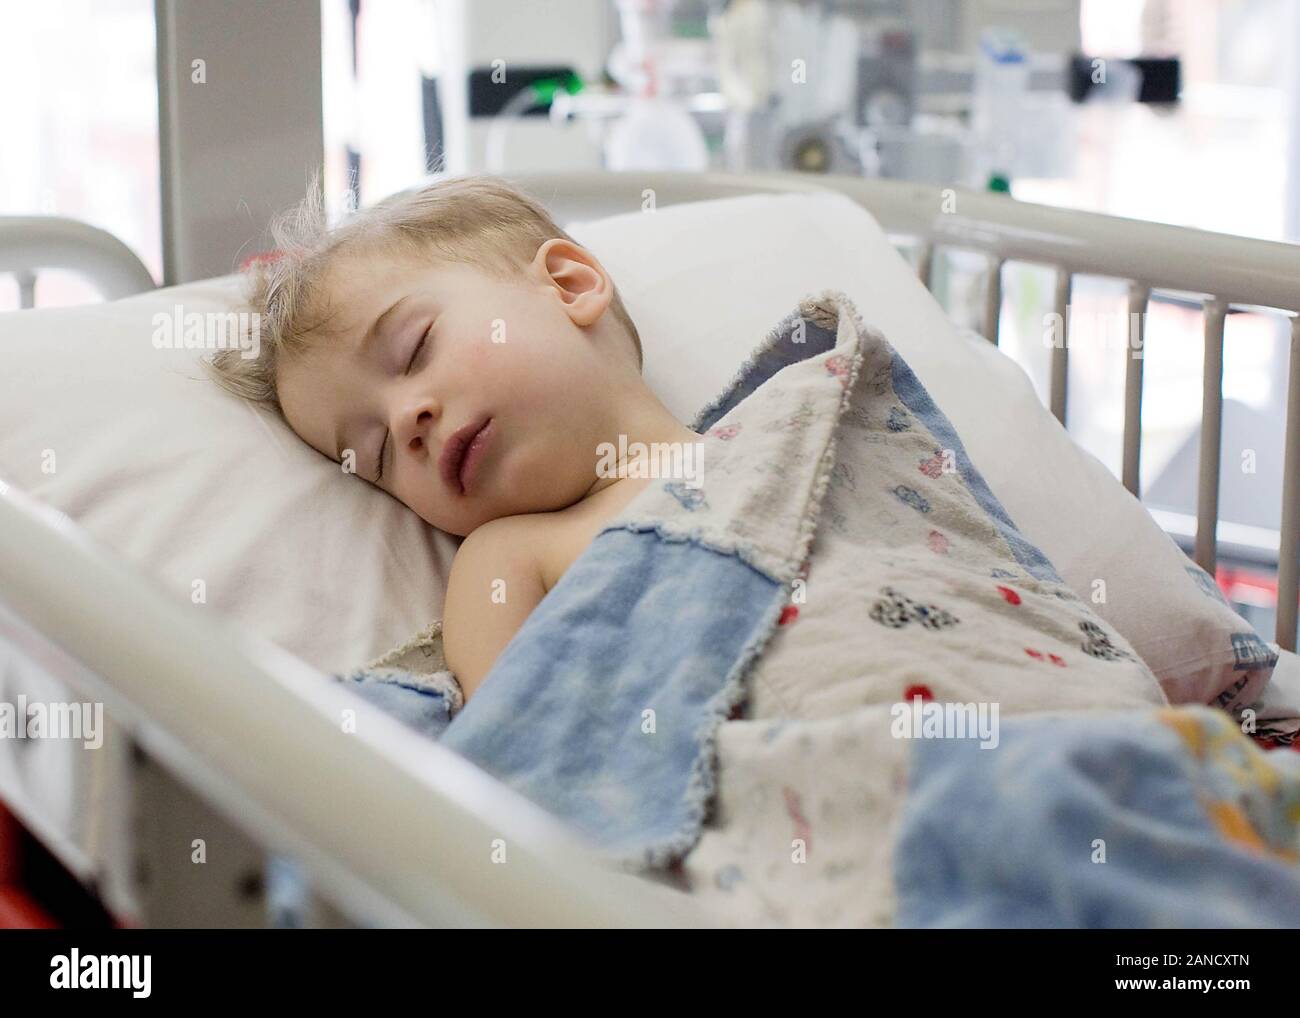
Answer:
(495, 582)
(545, 543)
(504, 568)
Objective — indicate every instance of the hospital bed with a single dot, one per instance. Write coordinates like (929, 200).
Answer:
(388, 828)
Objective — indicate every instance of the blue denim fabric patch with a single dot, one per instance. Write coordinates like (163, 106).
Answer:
(1009, 837)
(425, 710)
(604, 707)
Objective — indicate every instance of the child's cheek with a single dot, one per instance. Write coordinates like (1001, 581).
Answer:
(479, 351)
(500, 336)
(501, 358)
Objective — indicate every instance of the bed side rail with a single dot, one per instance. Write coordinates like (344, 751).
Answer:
(31, 243)
(394, 827)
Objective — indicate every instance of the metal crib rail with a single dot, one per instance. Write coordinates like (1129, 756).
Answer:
(395, 828)
(29, 243)
(1222, 270)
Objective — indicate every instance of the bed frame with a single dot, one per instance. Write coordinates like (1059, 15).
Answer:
(296, 823)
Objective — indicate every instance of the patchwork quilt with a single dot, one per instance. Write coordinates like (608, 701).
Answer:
(828, 682)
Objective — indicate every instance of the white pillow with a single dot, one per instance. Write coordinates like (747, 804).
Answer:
(193, 485)
(705, 282)
(222, 502)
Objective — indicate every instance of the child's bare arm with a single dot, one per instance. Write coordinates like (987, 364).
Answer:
(494, 585)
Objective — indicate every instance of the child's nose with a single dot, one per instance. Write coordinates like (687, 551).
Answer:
(419, 421)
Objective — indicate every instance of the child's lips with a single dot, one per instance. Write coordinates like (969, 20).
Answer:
(473, 458)
(462, 453)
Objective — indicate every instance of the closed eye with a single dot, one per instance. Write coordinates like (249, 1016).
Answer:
(379, 461)
(418, 347)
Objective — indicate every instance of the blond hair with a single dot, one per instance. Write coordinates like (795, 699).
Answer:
(482, 221)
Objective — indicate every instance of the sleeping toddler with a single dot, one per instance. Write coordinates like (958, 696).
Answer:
(454, 347)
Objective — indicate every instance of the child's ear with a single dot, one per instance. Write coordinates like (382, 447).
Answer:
(577, 278)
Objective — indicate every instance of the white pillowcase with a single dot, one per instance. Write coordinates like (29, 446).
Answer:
(196, 487)
(705, 282)
(223, 503)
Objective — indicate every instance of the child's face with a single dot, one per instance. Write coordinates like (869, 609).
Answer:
(453, 348)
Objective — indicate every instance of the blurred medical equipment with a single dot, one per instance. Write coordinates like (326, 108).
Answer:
(491, 51)
(937, 91)
(655, 132)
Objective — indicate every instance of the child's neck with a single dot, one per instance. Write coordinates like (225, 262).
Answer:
(661, 448)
